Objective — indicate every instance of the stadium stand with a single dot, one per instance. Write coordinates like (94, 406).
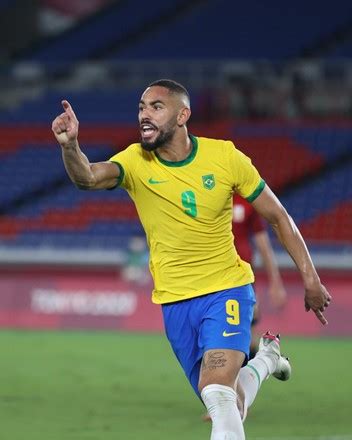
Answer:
(307, 163)
(110, 25)
(238, 23)
(120, 32)
(44, 209)
(96, 106)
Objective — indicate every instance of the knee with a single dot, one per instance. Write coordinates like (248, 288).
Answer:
(223, 393)
(226, 380)
(217, 397)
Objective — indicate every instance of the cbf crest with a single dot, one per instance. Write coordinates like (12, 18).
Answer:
(208, 181)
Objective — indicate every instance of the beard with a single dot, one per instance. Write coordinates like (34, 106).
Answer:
(161, 140)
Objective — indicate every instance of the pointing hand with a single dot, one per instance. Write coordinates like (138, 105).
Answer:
(317, 300)
(65, 126)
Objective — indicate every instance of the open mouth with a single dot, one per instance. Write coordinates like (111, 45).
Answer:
(147, 130)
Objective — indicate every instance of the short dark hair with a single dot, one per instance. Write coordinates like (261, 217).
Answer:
(172, 86)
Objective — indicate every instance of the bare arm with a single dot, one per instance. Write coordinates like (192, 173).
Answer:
(277, 290)
(82, 173)
(317, 297)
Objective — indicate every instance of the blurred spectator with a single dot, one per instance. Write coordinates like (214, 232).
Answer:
(136, 268)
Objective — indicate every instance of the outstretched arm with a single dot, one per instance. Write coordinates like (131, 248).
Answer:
(316, 297)
(276, 289)
(83, 174)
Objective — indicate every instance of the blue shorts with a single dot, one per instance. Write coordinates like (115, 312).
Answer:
(220, 320)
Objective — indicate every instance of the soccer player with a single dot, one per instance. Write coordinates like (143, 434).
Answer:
(182, 187)
(250, 232)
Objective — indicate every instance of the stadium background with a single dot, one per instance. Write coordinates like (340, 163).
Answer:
(275, 78)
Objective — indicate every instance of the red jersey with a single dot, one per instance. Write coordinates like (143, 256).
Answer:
(245, 223)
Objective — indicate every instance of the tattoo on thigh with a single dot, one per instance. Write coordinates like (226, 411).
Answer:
(213, 360)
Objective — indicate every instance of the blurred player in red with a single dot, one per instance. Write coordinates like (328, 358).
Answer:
(250, 232)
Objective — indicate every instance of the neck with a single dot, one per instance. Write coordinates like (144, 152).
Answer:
(177, 149)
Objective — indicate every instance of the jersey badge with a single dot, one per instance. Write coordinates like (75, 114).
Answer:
(208, 181)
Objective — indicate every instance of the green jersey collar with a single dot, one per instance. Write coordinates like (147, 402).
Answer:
(183, 162)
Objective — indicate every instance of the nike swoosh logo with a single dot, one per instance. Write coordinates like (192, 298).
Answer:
(225, 334)
(154, 182)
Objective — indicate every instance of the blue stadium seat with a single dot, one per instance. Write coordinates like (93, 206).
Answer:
(36, 167)
(330, 141)
(321, 195)
(97, 106)
(94, 34)
(241, 30)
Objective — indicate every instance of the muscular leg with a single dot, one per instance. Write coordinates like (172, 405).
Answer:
(248, 380)
(220, 366)
(219, 372)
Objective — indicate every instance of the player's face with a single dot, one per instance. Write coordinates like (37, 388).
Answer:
(158, 110)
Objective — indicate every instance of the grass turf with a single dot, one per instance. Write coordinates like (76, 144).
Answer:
(104, 386)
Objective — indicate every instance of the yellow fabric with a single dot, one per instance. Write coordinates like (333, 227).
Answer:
(186, 211)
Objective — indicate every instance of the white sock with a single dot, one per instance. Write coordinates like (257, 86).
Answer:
(220, 401)
(252, 376)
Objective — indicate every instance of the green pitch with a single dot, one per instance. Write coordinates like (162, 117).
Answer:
(114, 386)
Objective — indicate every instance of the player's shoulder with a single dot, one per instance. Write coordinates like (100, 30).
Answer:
(134, 148)
(132, 151)
(215, 143)
(224, 149)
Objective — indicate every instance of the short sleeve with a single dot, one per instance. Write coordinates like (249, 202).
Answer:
(124, 161)
(247, 181)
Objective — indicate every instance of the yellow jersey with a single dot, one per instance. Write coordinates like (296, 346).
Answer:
(186, 210)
